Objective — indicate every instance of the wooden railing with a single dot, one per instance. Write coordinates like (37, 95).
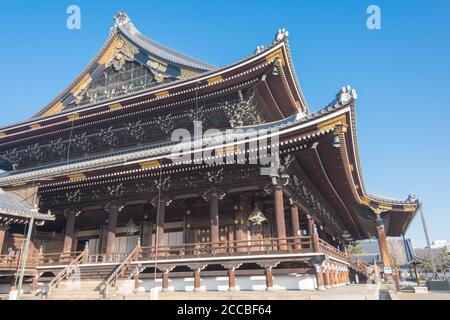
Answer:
(229, 248)
(358, 264)
(121, 269)
(58, 258)
(328, 249)
(66, 272)
(9, 261)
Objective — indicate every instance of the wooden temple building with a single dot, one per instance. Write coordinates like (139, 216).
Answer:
(96, 169)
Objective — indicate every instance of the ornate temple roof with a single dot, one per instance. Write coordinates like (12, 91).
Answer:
(358, 205)
(126, 44)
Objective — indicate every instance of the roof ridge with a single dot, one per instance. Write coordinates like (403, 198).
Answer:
(126, 26)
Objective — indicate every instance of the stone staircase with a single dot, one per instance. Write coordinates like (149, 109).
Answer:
(87, 284)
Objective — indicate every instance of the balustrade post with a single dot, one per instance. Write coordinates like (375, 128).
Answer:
(86, 253)
(136, 282)
(40, 257)
(315, 239)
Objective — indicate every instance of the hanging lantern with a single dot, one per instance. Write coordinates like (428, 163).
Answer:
(131, 228)
(257, 217)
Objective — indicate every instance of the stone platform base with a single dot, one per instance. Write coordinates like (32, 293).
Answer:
(438, 285)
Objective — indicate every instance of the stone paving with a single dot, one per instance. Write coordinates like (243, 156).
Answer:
(431, 295)
(350, 292)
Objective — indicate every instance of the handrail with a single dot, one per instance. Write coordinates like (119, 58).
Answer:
(358, 264)
(327, 248)
(65, 272)
(236, 247)
(122, 268)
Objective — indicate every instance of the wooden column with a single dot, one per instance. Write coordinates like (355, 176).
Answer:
(231, 280)
(113, 209)
(315, 239)
(231, 238)
(268, 266)
(319, 278)
(165, 276)
(327, 282)
(231, 267)
(165, 281)
(313, 234)
(214, 215)
(269, 279)
(34, 284)
(147, 233)
(295, 226)
(382, 243)
(3, 230)
(160, 203)
(197, 280)
(213, 195)
(239, 228)
(71, 214)
(416, 273)
(279, 215)
(136, 282)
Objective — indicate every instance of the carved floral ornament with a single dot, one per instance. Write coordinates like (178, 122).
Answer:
(120, 51)
(244, 111)
(131, 132)
(317, 206)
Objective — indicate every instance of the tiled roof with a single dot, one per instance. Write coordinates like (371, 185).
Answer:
(14, 207)
(13, 203)
(124, 24)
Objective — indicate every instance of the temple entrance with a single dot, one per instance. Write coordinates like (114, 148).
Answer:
(125, 244)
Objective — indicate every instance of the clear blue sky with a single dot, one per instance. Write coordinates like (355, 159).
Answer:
(401, 72)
